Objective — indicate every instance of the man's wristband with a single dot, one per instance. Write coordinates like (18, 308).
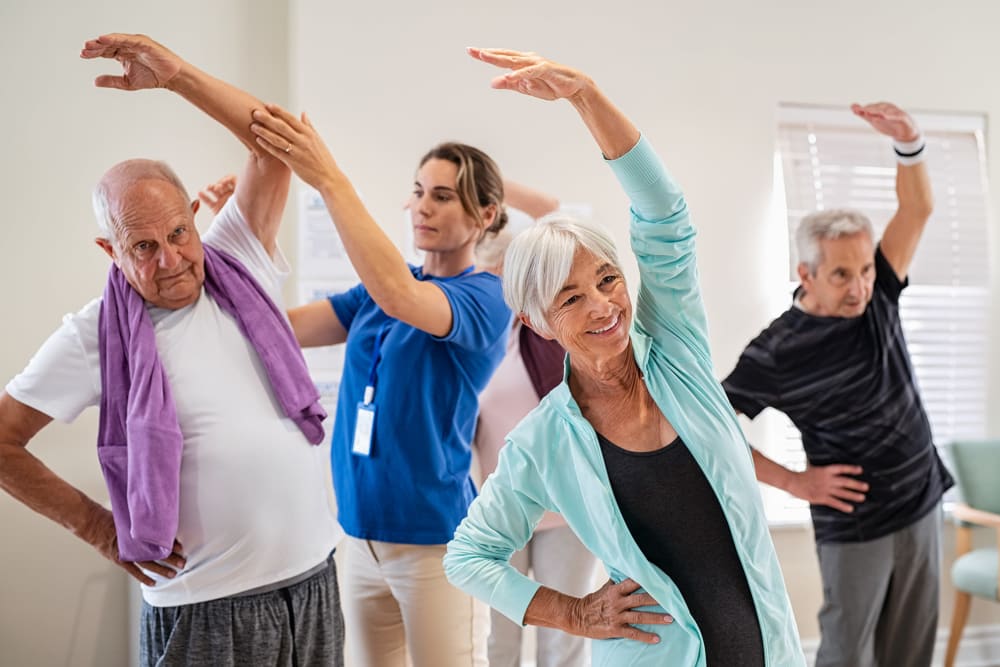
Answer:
(910, 152)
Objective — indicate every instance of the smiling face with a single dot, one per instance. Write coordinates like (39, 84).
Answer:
(844, 280)
(591, 314)
(440, 222)
(156, 243)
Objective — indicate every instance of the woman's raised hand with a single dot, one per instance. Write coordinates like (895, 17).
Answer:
(295, 142)
(531, 74)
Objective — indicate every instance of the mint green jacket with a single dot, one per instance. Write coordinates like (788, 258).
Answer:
(552, 460)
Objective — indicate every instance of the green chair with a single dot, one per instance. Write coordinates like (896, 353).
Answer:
(976, 465)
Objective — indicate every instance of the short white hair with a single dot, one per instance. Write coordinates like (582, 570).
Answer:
(120, 178)
(824, 225)
(539, 259)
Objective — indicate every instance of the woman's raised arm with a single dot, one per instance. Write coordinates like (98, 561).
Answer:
(531, 74)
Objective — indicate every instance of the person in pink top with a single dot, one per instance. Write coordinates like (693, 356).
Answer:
(532, 367)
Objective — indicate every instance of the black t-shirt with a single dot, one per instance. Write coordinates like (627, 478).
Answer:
(677, 522)
(848, 386)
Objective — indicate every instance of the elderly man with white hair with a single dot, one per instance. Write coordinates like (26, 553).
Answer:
(208, 415)
(836, 363)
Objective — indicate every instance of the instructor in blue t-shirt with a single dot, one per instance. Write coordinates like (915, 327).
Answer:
(422, 342)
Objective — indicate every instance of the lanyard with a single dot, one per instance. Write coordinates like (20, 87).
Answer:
(376, 357)
(380, 338)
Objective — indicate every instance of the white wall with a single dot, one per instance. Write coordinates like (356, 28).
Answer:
(385, 81)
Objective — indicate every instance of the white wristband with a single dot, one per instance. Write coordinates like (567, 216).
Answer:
(910, 152)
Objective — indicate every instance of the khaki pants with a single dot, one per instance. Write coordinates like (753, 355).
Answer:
(399, 609)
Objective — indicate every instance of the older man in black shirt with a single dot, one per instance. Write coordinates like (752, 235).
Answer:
(836, 363)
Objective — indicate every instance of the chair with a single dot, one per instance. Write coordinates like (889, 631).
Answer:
(975, 572)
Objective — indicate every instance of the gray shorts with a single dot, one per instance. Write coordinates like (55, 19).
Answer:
(297, 625)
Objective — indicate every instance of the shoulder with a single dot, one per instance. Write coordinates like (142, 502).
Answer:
(483, 282)
(886, 280)
(480, 317)
(538, 428)
(776, 336)
(84, 323)
(230, 233)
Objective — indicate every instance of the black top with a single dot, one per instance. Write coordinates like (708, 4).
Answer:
(677, 522)
(847, 385)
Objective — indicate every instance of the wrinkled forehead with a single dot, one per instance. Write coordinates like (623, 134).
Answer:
(148, 203)
(848, 250)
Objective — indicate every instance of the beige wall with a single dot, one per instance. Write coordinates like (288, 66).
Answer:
(384, 81)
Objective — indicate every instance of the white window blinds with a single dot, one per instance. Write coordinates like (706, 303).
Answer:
(830, 159)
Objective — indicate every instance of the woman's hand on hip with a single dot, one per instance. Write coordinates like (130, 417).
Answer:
(611, 612)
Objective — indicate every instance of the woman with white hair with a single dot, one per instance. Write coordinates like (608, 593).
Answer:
(530, 369)
(638, 447)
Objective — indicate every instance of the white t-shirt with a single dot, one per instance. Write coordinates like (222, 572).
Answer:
(254, 500)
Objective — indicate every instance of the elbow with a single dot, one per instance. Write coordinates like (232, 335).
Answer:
(918, 204)
(453, 565)
(544, 206)
(927, 206)
(395, 297)
(919, 208)
(295, 320)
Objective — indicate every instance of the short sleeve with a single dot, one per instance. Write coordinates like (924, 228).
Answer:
(64, 376)
(886, 279)
(230, 233)
(750, 387)
(347, 304)
(479, 315)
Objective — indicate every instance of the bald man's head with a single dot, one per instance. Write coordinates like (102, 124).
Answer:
(147, 225)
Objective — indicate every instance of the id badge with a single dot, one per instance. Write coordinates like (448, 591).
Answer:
(363, 428)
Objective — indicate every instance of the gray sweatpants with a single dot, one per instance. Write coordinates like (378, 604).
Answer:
(299, 625)
(880, 598)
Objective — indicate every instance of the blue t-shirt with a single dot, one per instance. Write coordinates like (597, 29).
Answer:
(415, 487)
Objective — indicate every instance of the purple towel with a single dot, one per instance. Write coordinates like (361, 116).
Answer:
(139, 441)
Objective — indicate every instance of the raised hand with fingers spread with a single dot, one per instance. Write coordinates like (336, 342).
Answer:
(888, 119)
(533, 75)
(217, 194)
(145, 63)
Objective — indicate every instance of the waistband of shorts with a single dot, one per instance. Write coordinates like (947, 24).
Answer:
(291, 581)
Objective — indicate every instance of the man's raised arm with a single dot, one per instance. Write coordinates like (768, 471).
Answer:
(263, 188)
(913, 185)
